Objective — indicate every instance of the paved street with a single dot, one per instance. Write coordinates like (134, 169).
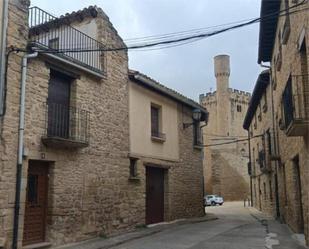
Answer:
(236, 228)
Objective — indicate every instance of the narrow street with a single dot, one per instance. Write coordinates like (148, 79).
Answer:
(236, 228)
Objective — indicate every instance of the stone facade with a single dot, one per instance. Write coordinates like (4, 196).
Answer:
(259, 125)
(89, 190)
(287, 51)
(225, 166)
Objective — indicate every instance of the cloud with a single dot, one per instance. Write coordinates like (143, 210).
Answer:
(188, 68)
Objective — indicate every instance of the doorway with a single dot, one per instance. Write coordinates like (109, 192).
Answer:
(154, 195)
(299, 202)
(36, 203)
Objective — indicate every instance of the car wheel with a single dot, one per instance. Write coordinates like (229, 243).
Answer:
(213, 203)
(220, 204)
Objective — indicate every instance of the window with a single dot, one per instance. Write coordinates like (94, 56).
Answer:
(197, 136)
(32, 189)
(133, 167)
(264, 185)
(238, 108)
(155, 121)
(156, 124)
(268, 135)
(270, 190)
(53, 43)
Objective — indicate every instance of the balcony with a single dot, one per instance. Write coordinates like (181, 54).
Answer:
(158, 136)
(295, 103)
(66, 127)
(263, 162)
(56, 37)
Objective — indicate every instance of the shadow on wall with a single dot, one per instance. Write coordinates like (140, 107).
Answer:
(229, 177)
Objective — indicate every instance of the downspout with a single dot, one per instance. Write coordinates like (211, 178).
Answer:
(20, 145)
(249, 147)
(4, 21)
(276, 150)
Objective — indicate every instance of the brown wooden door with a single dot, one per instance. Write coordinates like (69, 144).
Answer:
(154, 195)
(36, 203)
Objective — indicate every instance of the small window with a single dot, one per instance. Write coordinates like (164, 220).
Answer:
(238, 108)
(155, 121)
(133, 167)
(53, 43)
(32, 189)
(197, 134)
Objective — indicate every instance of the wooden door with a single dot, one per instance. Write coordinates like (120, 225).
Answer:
(58, 104)
(36, 203)
(154, 195)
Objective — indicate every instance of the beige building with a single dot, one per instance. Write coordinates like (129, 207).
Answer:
(165, 149)
(283, 43)
(78, 172)
(225, 161)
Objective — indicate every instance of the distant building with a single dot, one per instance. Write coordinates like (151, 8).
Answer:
(225, 166)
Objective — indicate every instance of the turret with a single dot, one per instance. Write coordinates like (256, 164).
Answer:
(222, 73)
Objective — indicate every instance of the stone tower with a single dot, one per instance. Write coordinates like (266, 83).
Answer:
(222, 73)
(225, 165)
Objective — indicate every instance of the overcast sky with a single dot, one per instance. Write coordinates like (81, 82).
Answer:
(189, 68)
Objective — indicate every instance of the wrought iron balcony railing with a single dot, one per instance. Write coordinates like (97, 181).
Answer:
(295, 103)
(55, 34)
(66, 125)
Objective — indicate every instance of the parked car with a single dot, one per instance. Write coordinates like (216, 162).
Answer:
(212, 200)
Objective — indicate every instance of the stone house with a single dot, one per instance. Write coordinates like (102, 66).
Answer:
(165, 148)
(283, 43)
(70, 179)
(224, 160)
(261, 168)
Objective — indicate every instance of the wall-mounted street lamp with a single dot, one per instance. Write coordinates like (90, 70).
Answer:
(196, 117)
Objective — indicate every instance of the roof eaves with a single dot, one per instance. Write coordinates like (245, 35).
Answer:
(154, 85)
(260, 87)
(268, 27)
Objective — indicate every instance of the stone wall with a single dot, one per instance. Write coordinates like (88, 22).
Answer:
(17, 34)
(263, 181)
(290, 147)
(89, 191)
(225, 165)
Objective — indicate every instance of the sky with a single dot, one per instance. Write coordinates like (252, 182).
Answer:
(187, 69)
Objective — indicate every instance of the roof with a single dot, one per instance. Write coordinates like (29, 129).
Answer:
(259, 89)
(153, 85)
(268, 26)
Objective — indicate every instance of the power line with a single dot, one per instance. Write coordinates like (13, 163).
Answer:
(231, 142)
(187, 39)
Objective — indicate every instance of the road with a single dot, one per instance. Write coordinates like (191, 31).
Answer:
(236, 228)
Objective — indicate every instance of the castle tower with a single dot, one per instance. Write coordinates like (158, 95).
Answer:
(222, 73)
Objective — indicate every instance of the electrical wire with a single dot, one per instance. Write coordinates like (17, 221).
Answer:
(178, 40)
(231, 142)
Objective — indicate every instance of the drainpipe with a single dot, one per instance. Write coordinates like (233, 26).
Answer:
(3, 30)
(20, 145)
(276, 151)
(249, 147)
